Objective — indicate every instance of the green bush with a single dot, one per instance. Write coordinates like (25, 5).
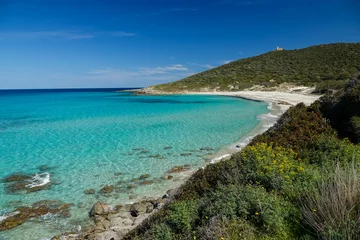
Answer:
(160, 232)
(296, 129)
(275, 168)
(268, 212)
(222, 228)
(342, 110)
(327, 150)
(355, 127)
(181, 216)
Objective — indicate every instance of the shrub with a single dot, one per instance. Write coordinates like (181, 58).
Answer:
(160, 232)
(355, 127)
(275, 168)
(341, 108)
(265, 211)
(222, 228)
(296, 128)
(327, 150)
(333, 210)
(181, 216)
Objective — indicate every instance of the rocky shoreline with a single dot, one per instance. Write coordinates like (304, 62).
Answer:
(115, 223)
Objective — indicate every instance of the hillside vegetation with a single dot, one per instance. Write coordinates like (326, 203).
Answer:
(298, 180)
(327, 66)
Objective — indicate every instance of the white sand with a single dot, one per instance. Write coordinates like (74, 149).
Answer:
(267, 96)
(279, 102)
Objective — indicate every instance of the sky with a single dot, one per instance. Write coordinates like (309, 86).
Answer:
(137, 43)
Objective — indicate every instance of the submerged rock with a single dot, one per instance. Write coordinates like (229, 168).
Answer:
(178, 169)
(117, 174)
(157, 156)
(138, 149)
(131, 186)
(143, 152)
(207, 149)
(107, 189)
(185, 154)
(90, 191)
(38, 209)
(147, 182)
(144, 176)
(167, 148)
(17, 183)
(16, 177)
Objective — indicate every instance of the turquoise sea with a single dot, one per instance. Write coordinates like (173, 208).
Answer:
(85, 139)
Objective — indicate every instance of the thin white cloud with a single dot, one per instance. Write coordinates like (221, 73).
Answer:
(138, 77)
(163, 70)
(208, 66)
(222, 62)
(72, 35)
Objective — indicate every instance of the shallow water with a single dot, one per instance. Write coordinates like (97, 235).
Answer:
(86, 139)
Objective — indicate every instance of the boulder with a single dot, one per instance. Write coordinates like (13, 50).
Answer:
(99, 208)
(141, 208)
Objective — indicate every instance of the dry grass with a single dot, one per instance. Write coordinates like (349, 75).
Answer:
(333, 211)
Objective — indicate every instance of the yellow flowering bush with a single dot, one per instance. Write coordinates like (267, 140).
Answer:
(272, 166)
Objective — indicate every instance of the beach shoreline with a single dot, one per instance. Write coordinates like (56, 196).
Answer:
(278, 103)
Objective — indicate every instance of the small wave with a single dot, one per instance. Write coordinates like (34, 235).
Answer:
(214, 160)
(7, 215)
(39, 179)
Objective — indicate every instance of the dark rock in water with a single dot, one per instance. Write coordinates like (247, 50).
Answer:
(167, 148)
(38, 209)
(185, 154)
(117, 174)
(132, 197)
(131, 186)
(157, 156)
(144, 176)
(90, 191)
(17, 183)
(107, 189)
(138, 149)
(147, 182)
(238, 146)
(44, 168)
(134, 180)
(16, 177)
(39, 188)
(178, 169)
(206, 149)
(143, 152)
(81, 205)
(99, 208)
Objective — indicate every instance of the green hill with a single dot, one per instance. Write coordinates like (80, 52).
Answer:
(325, 66)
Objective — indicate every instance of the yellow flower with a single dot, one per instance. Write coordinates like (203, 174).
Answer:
(256, 213)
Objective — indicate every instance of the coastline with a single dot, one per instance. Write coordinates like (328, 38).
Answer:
(278, 103)
(117, 224)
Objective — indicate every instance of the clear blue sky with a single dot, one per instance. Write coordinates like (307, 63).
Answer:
(108, 43)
